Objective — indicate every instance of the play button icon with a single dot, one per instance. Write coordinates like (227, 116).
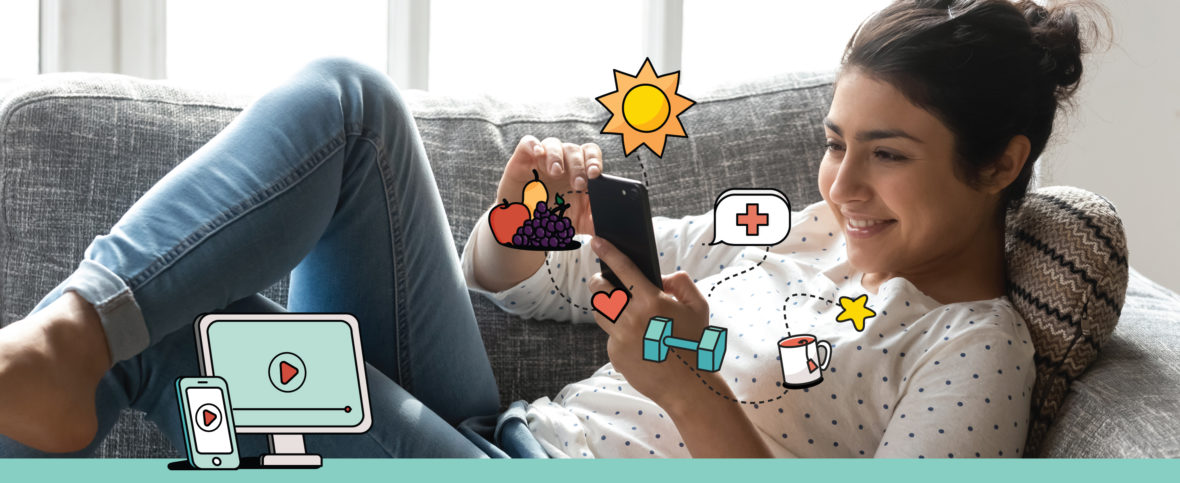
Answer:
(287, 372)
(208, 417)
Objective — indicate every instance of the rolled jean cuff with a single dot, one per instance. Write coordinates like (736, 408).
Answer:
(122, 320)
(513, 434)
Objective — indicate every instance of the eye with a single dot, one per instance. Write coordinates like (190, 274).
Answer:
(833, 146)
(888, 156)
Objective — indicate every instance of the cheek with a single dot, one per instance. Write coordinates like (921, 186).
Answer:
(940, 207)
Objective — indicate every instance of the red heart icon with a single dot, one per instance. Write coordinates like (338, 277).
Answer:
(612, 304)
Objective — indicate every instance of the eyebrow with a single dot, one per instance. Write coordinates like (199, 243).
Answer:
(874, 134)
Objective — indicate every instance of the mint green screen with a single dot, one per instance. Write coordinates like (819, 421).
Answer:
(328, 389)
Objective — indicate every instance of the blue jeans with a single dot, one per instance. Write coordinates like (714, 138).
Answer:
(324, 178)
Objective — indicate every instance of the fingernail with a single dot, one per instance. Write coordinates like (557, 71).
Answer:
(579, 183)
(593, 170)
(538, 150)
(555, 169)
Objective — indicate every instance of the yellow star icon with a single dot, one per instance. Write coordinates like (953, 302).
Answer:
(855, 310)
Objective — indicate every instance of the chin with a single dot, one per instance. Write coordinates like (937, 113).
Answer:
(866, 262)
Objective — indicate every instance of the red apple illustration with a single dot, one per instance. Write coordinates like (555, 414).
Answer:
(505, 218)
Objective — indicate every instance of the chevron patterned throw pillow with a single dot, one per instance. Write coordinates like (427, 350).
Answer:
(1067, 276)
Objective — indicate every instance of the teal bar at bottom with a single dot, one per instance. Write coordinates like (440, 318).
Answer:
(598, 471)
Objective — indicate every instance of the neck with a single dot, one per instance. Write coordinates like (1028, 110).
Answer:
(975, 272)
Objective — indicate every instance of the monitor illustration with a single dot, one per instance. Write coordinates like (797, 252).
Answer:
(290, 375)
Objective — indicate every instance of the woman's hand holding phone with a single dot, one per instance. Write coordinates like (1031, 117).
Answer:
(667, 383)
(711, 424)
(566, 169)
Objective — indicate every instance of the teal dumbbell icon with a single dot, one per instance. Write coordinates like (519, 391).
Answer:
(658, 338)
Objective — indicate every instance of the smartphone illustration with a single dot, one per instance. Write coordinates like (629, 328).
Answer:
(208, 422)
(622, 216)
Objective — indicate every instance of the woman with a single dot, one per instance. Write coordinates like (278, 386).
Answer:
(939, 111)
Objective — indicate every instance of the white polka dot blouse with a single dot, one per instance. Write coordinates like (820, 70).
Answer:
(919, 380)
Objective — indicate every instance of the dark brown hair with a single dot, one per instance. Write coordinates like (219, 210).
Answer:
(988, 69)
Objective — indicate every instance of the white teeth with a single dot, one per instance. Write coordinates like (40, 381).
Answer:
(863, 223)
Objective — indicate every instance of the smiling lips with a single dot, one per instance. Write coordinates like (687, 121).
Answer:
(865, 227)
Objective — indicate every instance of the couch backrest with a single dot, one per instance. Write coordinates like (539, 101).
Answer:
(766, 133)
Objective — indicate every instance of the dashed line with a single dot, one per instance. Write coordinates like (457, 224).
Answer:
(727, 398)
(742, 401)
(643, 169)
(567, 298)
(715, 285)
(789, 298)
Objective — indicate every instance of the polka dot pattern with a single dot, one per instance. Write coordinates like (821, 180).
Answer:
(922, 380)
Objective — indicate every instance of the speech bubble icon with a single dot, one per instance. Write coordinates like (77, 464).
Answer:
(751, 217)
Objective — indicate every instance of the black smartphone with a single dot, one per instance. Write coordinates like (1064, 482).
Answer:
(622, 216)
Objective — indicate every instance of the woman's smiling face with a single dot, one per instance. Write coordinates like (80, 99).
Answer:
(888, 175)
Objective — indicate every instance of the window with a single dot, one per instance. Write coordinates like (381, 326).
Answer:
(536, 48)
(742, 39)
(19, 30)
(255, 44)
(533, 47)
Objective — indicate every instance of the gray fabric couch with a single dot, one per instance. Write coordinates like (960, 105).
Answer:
(76, 150)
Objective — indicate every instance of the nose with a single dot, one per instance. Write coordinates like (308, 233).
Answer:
(850, 184)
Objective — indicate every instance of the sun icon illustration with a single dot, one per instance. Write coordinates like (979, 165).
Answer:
(644, 109)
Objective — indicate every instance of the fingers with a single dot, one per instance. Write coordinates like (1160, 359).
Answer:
(598, 283)
(528, 154)
(575, 164)
(579, 163)
(529, 148)
(593, 155)
(681, 286)
(624, 268)
(554, 154)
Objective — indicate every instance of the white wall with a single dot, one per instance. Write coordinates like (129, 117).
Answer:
(1123, 140)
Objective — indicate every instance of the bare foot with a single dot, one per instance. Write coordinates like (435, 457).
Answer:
(50, 366)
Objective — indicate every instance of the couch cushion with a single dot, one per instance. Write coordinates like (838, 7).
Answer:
(1067, 275)
(1127, 404)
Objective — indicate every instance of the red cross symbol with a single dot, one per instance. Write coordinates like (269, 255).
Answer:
(752, 219)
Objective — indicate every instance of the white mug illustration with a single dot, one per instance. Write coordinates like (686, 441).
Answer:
(802, 366)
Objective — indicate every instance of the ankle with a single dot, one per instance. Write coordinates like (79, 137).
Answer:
(74, 323)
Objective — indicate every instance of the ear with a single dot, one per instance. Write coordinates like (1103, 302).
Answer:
(1008, 166)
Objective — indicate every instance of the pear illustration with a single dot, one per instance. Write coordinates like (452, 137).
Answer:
(533, 192)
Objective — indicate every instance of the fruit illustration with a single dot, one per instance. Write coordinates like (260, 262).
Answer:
(505, 218)
(547, 229)
(533, 224)
(533, 192)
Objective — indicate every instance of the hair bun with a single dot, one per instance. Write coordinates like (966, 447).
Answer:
(1057, 32)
